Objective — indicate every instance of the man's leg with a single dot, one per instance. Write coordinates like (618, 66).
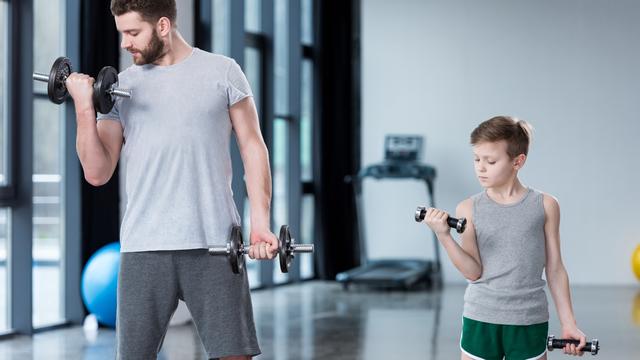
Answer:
(147, 297)
(220, 304)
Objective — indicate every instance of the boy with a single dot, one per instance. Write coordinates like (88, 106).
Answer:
(512, 235)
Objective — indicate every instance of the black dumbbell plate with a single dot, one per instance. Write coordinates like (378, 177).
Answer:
(56, 89)
(236, 256)
(284, 243)
(106, 79)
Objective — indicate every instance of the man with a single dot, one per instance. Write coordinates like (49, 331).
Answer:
(174, 134)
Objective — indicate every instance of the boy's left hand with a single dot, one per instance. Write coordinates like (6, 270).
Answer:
(572, 332)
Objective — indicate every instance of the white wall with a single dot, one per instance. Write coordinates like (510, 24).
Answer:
(570, 67)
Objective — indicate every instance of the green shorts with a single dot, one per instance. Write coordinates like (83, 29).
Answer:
(481, 340)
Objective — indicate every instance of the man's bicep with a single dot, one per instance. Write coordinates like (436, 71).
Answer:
(110, 133)
(244, 119)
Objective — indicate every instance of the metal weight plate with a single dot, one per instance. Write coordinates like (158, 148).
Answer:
(56, 89)
(284, 249)
(421, 211)
(102, 100)
(236, 255)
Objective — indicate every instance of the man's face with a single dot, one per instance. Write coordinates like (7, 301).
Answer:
(140, 38)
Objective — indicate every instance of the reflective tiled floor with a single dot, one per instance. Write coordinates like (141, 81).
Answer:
(318, 320)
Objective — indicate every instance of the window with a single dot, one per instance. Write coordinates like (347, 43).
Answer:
(306, 12)
(306, 171)
(252, 15)
(4, 9)
(4, 212)
(5, 235)
(285, 108)
(280, 174)
(48, 284)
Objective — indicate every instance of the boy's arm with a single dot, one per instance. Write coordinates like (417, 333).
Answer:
(465, 256)
(557, 274)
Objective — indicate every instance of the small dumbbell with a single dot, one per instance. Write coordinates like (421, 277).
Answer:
(235, 249)
(105, 88)
(458, 224)
(592, 346)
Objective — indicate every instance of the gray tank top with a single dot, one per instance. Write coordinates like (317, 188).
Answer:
(511, 243)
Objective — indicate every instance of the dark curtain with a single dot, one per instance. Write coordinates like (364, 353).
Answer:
(338, 134)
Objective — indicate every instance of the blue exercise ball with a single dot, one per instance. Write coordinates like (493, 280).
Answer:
(100, 283)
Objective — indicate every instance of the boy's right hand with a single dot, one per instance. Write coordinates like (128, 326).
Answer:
(80, 87)
(436, 219)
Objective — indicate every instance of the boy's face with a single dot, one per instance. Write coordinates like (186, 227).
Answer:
(140, 38)
(493, 166)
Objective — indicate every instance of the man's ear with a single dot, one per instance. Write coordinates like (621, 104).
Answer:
(163, 26)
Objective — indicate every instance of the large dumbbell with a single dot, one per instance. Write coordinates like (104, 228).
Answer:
(236, 249)
(105, 87)
(458, 224)
(592, 346)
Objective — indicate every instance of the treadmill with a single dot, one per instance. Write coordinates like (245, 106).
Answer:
(401, 162)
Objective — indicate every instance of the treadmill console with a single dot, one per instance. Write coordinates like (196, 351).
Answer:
(402, 148)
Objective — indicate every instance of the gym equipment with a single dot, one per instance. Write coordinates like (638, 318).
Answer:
(105, 87)
(235, 249)
(592, 346)
(100, 282)
(458, 224)
(635, 262)
(402, 161)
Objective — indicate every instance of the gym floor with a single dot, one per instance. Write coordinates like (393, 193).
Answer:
(318, 320)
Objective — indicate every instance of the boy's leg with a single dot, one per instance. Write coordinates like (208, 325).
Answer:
(220, 304)
(147, 297)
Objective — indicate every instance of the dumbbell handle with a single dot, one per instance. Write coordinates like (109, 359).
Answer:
(120, 92)
(302, 248)
(114, 91)
(226, 249)
(458, 224)
(220, 250)
(591, 346)
(40, 77)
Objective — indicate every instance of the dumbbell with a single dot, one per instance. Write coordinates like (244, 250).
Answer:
(458, 224)
(235, 249)
(105, 88)
(592, 346)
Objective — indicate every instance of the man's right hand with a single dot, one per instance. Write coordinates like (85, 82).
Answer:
(80, 87)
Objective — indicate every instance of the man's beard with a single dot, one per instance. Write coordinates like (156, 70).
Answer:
(152, 52)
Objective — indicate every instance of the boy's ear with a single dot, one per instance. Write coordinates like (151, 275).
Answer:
(519, 161)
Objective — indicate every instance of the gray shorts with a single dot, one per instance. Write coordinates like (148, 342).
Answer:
(149, 286)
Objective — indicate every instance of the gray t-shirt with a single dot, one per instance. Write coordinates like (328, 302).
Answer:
(511, 242)
(176, 155)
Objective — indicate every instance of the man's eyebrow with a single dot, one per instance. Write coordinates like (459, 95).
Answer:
(129, 30)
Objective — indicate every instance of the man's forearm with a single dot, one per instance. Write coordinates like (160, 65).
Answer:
(258, 176)
(93, 156)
